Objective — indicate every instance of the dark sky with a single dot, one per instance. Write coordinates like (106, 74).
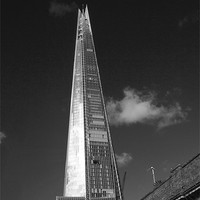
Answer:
(146, 45)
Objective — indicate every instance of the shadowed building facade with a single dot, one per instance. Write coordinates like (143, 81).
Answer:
(183, 184)
(91, 169)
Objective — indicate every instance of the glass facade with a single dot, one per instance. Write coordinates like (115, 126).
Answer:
(91, 170)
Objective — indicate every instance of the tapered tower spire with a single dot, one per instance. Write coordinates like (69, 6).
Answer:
(91, 169)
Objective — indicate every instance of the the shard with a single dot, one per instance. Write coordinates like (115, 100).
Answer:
(91, 170)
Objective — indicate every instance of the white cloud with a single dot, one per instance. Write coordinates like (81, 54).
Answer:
(60, 9)
(123, 159)
(189, 19)
(2, 135)
(137, 107)
(183, 21)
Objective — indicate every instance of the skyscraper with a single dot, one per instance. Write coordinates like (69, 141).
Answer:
(91, 168)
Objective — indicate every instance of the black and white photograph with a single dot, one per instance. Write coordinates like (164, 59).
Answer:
(99, 100)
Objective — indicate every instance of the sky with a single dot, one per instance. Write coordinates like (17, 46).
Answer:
(148, 58)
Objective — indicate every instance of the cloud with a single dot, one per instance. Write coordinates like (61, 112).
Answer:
(183, 21)
(2, 136)
(60, 9)
(140, 107)
(191, 18)
(123, 159)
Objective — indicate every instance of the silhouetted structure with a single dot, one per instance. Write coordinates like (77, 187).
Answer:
(183, 184)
